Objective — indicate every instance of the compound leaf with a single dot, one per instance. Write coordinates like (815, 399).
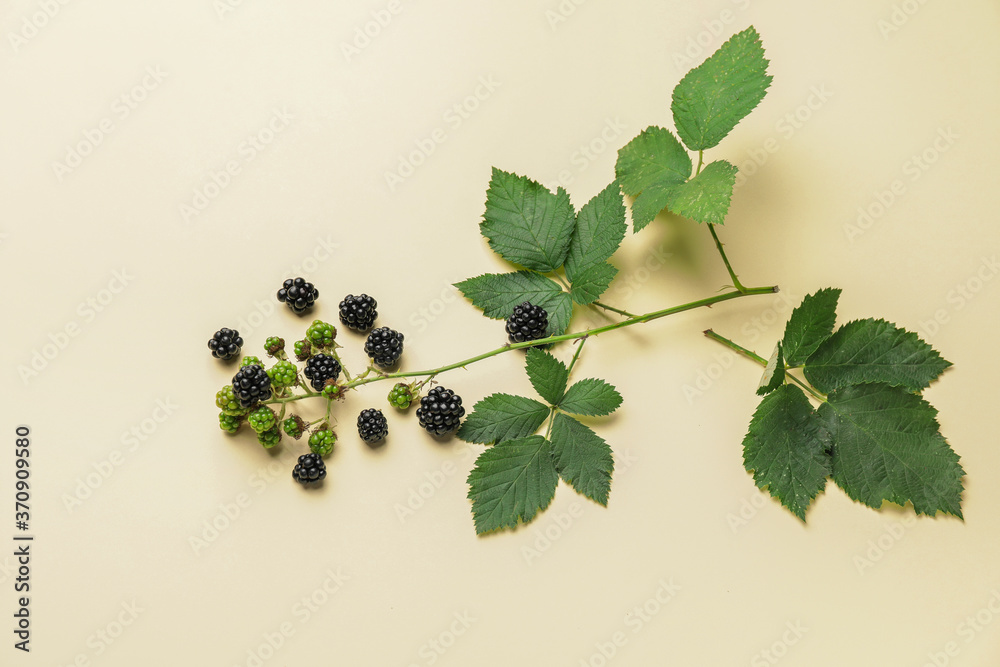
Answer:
(582, 458)
(811, 323)
(650, 168)
(887, 446)
(717, 94)
(706, 197)
(500, 417)
(512, 482)
(548, 375)
(592, 397)
(600, 229)
(786, 449)
(527, 224)
(871, 350)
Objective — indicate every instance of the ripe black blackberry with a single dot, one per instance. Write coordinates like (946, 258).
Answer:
(440, 411)
(225, 344)
(372, 425)
(527, 322)
(321, 368)
(384, 346)
(298, 295)
(358, 312)
(252, 385)
(310, 468)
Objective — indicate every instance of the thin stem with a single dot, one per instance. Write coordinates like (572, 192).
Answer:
(729, 267)
(561, 281)
(613, 309)
(763, 362)
(701, 161)
(576, 355)
(739, 348)
(640, 319)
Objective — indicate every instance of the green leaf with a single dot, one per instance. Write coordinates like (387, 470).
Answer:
(600, 229)
(705, 198)
(650, 167)
(527, 224)
(512, 481)
(873, 351)
(774, 373)
(786, 449)
(716, 95)
(591, 283)
(582, 458)
(497, 294)
(502, 417)
(811, 323)
(592, 397)
(887, 446)
(548, 375)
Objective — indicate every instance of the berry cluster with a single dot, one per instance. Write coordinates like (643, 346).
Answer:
(261, 397)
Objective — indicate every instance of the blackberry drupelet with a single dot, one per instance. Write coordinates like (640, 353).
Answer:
(298, 295)
(372, 425)
(225, 344)
(321, 368)
(440, 411)
(227, 401)
(384, 346)
(526, 323)
(251, 386)
(358, 312)
(310, 468)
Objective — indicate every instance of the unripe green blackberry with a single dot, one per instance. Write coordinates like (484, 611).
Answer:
(226, 400)
(333, 390)
(229, 423)
(283, 374)
(321, 442)
(294, 426)
(269, 439)
(273, 345)
(400, 396)
(250, 360)
(321, 334)
(303, 349)
(262, 419)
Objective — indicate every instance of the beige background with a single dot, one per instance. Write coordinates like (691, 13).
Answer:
(862, 587)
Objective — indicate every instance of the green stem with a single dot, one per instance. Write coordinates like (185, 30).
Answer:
(639, 319)
(763, 362)
(576, 355)
(729, 267)
(613, 309)
(701, 161)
